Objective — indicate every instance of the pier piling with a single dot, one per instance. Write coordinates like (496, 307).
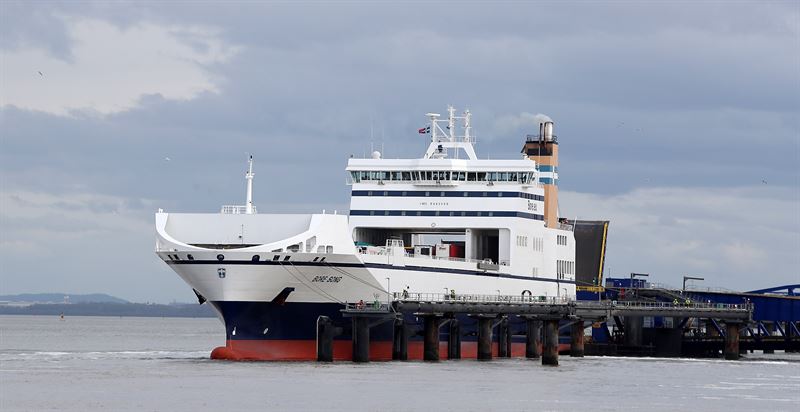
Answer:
(360, 336)
(431, 343)
(633, 330)
(325, 333)
(503, 339)
(485, 337)
(550, 352)
(576, 343)
(454, 340)
(533, 340)
(400, 341)
(732, 341)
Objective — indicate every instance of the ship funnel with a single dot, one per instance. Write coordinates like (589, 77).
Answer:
(544, 151)
(546, 131)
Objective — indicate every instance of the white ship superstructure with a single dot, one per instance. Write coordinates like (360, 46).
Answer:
(446, 222)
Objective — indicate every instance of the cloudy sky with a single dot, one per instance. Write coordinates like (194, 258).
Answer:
(678, 121)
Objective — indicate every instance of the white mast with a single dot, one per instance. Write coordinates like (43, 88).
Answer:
(451, 122)
(467, 126)
(433, 117)
(449, 139)
(249, 176)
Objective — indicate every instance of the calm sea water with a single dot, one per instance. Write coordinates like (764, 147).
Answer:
(102, 363)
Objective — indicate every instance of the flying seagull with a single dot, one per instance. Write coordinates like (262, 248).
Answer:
(40, 74)
(167, 159)
(763, 181)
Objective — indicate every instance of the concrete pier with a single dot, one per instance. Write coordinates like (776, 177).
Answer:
(542, 318)
(503, 339)
(454, 340)
(485, 337)
(577, 337)
(360, 336)
(533, 339)
(550, 349)
(400, 341)
(431, 342)
(731, 341)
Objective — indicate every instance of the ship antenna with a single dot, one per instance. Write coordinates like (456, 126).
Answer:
(249, 176)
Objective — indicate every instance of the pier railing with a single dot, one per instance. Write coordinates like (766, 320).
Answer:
(367, 307)
(472, 298)
(682, 305)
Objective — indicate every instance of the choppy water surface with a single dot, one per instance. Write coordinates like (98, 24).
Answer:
(93, 363)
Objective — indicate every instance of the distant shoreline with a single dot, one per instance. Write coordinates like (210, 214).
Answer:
(111, 309)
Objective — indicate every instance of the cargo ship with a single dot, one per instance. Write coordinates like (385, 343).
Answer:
(448, 222)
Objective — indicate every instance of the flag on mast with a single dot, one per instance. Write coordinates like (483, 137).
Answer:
(425, 130)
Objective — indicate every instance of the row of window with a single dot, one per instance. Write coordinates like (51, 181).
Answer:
(564, 267)
(561, 240)
(443, 175)
(445, 213)
(429, 193)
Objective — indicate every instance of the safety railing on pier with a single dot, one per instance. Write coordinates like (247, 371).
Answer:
(373, 306)
(470, 298)
(683, 305)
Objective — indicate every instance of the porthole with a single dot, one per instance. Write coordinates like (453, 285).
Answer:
(256, 258)
(190, 257)
(220, 257)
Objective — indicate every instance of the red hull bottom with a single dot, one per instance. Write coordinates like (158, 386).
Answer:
(305, 350)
